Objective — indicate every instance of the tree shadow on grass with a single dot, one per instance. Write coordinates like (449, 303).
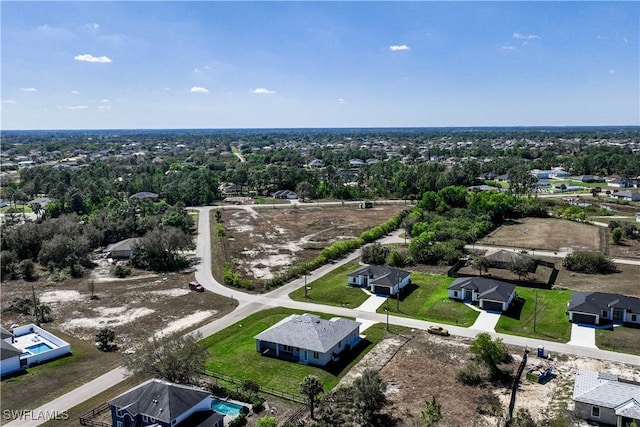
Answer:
(515, 309)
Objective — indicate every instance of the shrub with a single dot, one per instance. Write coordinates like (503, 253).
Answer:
(239, 421)
(469, 375)
(589, 263)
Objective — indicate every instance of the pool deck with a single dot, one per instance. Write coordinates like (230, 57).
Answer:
(28, 340)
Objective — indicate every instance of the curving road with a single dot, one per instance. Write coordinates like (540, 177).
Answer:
(251, 303)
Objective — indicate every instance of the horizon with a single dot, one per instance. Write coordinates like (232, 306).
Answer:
(316, 65)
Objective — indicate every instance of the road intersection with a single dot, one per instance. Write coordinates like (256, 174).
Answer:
(247, 304)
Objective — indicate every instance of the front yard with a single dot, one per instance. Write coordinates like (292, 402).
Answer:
(427, 298)
(233, 352)
(333, 289)
(620, 339)
(546, 320)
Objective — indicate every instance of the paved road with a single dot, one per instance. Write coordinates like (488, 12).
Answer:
(250, 303)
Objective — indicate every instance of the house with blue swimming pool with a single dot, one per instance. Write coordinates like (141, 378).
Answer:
(28, 345)
(161, 403)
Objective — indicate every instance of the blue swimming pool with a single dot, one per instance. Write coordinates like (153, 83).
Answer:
(39, 348)
(226, 408)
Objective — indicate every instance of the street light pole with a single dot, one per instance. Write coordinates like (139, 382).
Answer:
(305, 285)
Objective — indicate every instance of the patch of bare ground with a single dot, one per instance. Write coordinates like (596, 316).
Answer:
(135, 309)
(546, 234)
(426, 366)
(260, 243)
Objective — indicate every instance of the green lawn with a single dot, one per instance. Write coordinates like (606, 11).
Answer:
(551, 321)
(333, 289)
(233, 352)
(427, 298)
(620, 339)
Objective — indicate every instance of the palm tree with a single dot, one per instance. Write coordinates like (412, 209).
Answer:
(311, 387)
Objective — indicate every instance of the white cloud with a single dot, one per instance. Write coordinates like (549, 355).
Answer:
(395, 47)
(104, 107)
(263, 91)
(612, 71)
(198, 89)
(341, 101)
(87, 57)
(105, 101)
(507, 48)
(75, 92)
(9, 101)
(77, 107)
(93, 26)
(519, 36)
(201, 70)
(28, 89)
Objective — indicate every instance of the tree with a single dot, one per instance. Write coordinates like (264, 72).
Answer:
(490, 352)
(432, 412)
(375, 254)
(589, 263)
(105, 338)
(616, 235)
(481, 264)
(176, 358)
(369, 396)
(311, 387)
(521, 266)
(27, 269)
(251, 387)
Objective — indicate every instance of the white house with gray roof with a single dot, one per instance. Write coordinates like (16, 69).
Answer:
(605, 398)
(597, 308)
(308, 339)
(490, 294)
(380, 279)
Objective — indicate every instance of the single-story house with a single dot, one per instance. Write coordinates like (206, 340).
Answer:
(596, 308)
(308, 339)
(28, 345)
(145, 195)
(161, 403)
(121, 249)
(355, 163)
(490, 294)
(604, 398)
(628, 195)
(285, 194)
(483, 187)
(316, 163)
(589, 178)
(505, 259)
(380, 279)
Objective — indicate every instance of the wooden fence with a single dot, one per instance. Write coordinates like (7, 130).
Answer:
(88, 419)
(298, 398)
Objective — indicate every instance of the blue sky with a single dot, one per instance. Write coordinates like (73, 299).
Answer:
(105, 65)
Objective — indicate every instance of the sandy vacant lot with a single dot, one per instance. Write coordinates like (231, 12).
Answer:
(262, 242)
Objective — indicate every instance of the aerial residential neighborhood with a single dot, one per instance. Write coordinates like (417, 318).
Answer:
(319, 214)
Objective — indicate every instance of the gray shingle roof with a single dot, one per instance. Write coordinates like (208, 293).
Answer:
(488, 289)
(595, 302)
(381, 274)
(309, 332)
(606, 390)
(159, 399)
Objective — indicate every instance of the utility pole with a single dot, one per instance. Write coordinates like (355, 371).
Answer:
(387, 310)
(535, 312)
(305, 285)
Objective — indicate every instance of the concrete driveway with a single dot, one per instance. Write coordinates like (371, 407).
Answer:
(372, 303)
(486, 321)
(583, 336)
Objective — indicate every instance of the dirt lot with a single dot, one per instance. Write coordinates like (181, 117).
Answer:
(560, 235)
(555, 235)
(426, 366)
(262, 242)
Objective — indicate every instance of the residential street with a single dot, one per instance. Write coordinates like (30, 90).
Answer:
(249, 303)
